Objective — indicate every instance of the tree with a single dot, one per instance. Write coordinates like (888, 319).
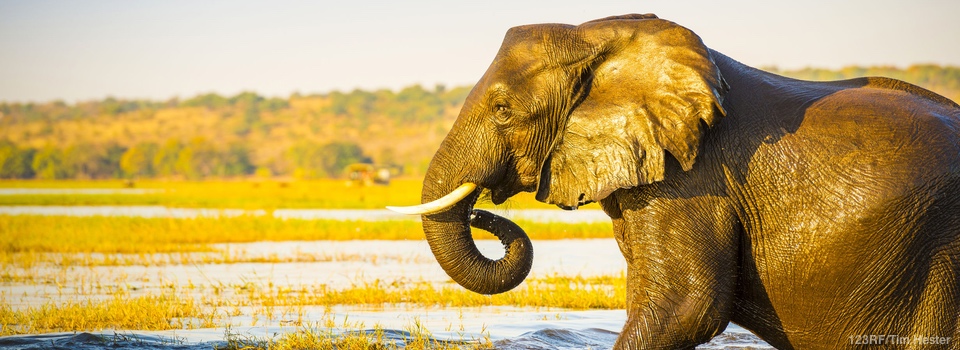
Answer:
(138, 160)
(81, 161)
(455, 96)
(249, 104)
(210, 101)
(110, 106)
(88, 161)
(165, 159)
(15, 162)
(185, 164)
(113, 152)
(312, 160)
(337, 155)
(358, 104)
(305, 158)
(274, 104)
(235, 161)
(197, 159)
(48, 164)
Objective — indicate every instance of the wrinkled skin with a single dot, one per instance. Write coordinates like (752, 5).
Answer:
(807, 212)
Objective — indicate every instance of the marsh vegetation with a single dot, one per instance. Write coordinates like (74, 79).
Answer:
(238, 267)
(307, 276)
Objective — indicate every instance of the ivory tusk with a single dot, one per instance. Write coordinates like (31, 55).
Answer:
(440, 204)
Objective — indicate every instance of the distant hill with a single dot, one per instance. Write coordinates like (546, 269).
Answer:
(300, 136)
(212, 135)
(942, 80)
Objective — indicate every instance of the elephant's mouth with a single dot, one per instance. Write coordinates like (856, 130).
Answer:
(544, 194)
(499, 195)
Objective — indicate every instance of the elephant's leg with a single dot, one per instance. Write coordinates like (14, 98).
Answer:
(682, 261)
(937, 320)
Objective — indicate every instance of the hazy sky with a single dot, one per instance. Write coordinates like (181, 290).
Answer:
(79, 50)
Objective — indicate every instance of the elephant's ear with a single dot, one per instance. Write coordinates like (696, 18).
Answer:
(652, 88)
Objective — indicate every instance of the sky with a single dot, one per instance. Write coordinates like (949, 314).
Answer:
(92, 49)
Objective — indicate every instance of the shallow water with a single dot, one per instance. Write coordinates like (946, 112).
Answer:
(355, 262)
(350, 263)
(580, 330)
(398, 261)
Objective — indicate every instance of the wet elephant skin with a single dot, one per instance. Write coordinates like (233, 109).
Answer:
(811, 213)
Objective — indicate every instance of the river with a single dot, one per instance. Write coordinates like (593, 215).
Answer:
(384, 261)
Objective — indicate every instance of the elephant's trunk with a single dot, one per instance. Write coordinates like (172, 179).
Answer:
(450, 239)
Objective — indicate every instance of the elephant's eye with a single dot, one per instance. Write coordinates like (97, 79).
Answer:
(501, 113)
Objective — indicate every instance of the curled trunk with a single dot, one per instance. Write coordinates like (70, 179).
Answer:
(449, 235)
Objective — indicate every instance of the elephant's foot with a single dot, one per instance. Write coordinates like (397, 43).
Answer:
(648, 334)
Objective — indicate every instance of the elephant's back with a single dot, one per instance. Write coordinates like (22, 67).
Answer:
(900, 85)
(885, 118)
(854, 203)
(856, 154)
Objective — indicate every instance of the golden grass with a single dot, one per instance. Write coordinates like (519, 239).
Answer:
(45, 250)
(568, 292)
(131, 235)
(223, 194)
(121, 311)
(559, 292)
(323, 337)
(240, 194)
(177, 309)
(31, 259)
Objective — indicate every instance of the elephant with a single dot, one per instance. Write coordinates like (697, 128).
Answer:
(817, 215)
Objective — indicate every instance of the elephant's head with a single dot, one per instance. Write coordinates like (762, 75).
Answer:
(573, 113)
